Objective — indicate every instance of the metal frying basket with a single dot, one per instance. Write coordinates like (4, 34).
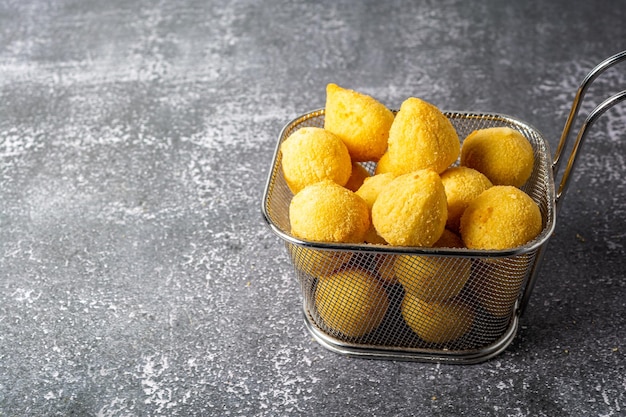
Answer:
(375, 317)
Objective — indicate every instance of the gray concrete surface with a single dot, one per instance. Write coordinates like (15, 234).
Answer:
(137, 275)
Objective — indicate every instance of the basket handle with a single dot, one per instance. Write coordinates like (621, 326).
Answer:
(589, 121)
(593, 116)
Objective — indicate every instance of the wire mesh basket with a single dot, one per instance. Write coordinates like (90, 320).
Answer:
(469, 302)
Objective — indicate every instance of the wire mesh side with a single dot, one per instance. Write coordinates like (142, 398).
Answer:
(401, 301)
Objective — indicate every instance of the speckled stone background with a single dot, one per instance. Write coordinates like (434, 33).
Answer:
(137, 275)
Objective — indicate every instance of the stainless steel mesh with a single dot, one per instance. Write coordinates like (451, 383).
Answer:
(413, 303)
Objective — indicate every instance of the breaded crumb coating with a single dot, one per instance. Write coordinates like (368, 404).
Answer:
(502, 154)
(361, 121)
(412, 210)
(462, 185)
(501, 217)
(312, 154)
(421, 137)
(328, 212)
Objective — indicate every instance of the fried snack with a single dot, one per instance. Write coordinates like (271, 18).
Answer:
(359, 174)
(496, 284)
(462, 185)
(369, 191)
(411, 210)
(384, 267)
(501, 217)
(372, 236)
(434, 278)
(318, 262)
(503, 154)
(359, 120)
(383, 165)
(372, 186)
(437, 322)
(351, 302)
(449, 239)
(421, 137)
(312, 154)
(328, 212)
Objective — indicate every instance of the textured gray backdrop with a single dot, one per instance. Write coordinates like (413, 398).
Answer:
(137, 275)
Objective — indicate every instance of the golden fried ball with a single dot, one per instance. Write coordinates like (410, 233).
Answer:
(372, 186)
(437, 322)
(384, 267)
(359, 120)
(372, 236)
(449, 239)
(421, 137)
(497, 283)
(351, 302)
(369, 191)
(359, 174)
(411, 210)
(312, 154)
(434, 278)
(317, 262)
(501, 217)
(383, 165)
(328, 212)
(462, 185)
(503, 154)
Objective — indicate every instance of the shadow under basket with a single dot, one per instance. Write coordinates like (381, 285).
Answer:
(469, 302)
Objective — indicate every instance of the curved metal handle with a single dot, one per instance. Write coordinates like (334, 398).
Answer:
(580, 93)
(589, 121)
(591, 118)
